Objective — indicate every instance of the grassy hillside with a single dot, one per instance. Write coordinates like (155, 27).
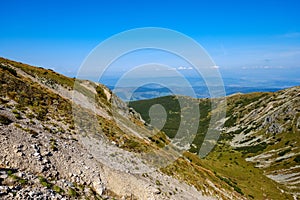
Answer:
(40, 96)
(43, 104)
(174, 112)
(261, 128)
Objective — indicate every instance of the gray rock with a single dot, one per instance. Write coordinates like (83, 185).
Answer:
(20, 154)
(45, 161)
(4, 190)
(3, 176)
(99, 187)
(36, 154)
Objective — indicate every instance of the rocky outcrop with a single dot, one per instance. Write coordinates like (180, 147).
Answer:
(266, 131)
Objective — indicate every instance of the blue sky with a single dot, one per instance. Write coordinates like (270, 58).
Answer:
(258, 39)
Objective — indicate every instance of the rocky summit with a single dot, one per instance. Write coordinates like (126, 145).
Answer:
(63, 138)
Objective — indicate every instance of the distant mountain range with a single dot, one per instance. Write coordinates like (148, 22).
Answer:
(149, 92)
(232, 85)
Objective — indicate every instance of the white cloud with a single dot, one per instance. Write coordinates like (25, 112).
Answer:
(215, 67)
(184, 68)
(263, 67)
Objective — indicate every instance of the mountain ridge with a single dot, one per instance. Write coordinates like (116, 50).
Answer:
(63, 158)
(36, 108)
(258, 128)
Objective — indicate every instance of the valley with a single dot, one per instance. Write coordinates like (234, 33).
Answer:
(61, 143)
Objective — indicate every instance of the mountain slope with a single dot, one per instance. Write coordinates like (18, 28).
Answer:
(57, 142)
(260, 139)
(51, 149)
(269, 135)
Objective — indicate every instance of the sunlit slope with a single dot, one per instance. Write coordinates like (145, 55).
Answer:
(260, 139)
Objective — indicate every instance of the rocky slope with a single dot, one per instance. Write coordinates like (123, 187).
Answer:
(258, 150)
(62, 138)
(47, 152)
(267, 130)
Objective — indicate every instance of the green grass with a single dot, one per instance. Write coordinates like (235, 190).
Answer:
(159, 139)
(252, 149)
(230, 183)
(9, 69)
(53, 145)
(39, 72)
(22, 181)
(5, 120)
(236, 105)
(40, 100)
(171, 104)
(282, 153)
(231, 169)
(15, 178)
(297, 159)
(49, 77)
(72, 192)
(44, 182)
(58, 189)
(251, 181)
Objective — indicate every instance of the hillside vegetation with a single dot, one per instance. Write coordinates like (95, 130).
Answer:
(57, 142)
(258, 149)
